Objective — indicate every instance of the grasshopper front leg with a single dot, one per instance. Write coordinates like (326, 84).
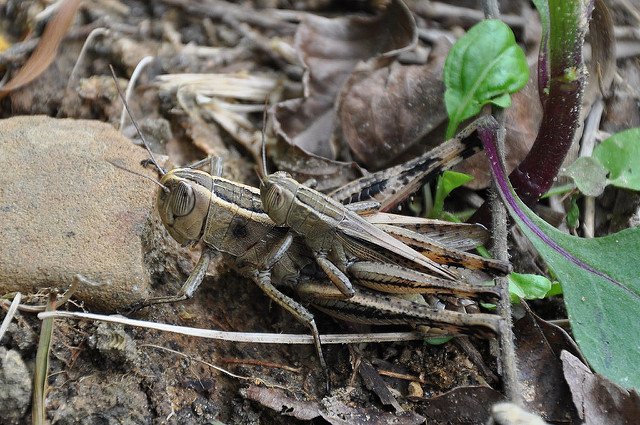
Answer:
(339, 279)
(188, 289)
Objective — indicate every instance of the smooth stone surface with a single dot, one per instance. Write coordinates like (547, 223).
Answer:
(65, 210)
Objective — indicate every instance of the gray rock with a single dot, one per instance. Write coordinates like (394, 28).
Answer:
(65, 210)
(15, 386)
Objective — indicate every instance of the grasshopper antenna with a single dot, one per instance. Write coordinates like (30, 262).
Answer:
(135, 124)
(264, 142)
(165, 188)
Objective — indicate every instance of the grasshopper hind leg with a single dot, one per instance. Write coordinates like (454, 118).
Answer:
(304, 316)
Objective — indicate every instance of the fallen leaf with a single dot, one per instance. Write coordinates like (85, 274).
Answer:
(598, 400)
(303, 166)
(385, 112)
(331, 409)
(331, 49)
(544, 390)
(46, 49)
(337, 412)
(375, 383)
(277, 400)
(602, 66)
(462, 405)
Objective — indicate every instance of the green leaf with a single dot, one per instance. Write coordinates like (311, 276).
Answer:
(603, 303)
(556, 289)
(438, 340)
(528, 286)
(559, 190)
(484, 66)
(589, 175)
(503, 101)
(573, 215)
(600, 279)
(620, 154)
(447, 182)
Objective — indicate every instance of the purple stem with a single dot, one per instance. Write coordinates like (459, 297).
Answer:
(562, 103)
(488, 136)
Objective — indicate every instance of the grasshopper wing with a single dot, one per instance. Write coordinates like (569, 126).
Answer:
(358, 229)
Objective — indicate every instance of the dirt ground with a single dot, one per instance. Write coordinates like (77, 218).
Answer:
(109, 374)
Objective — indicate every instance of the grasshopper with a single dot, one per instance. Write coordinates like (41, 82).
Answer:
(344, 243)
(228, 217)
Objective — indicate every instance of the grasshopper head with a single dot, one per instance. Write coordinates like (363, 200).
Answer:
(277, 192)
(184, 208)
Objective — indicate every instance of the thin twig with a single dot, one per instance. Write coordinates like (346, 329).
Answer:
(212, 366)
(218, 368)
(258, 338)
(403, 376)
(132, 82)
(261, 363)
(10, 313)
(83, 53)
(631, 8)
(563, 323)
(490, 9)
(16, 53)
(500, 251)
(438, 11)
(586, 149)
(217, 9)
(38, 413)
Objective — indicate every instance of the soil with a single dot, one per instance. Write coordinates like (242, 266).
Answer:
(110, 374)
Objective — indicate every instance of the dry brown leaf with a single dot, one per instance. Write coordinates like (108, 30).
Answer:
(461, 405)
(304, 166)
(544, 390)
(385, 113)
(331, 49)
(602, 65)
(331, 409)
(46, 50)
(598, 400)
(278, 400)
(374, 382)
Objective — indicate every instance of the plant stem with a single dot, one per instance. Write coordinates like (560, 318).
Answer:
(500, 251)
(535, 174)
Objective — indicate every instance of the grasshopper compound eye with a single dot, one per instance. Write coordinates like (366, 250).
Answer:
(274, 197)
(182, 200)
(275, 201)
